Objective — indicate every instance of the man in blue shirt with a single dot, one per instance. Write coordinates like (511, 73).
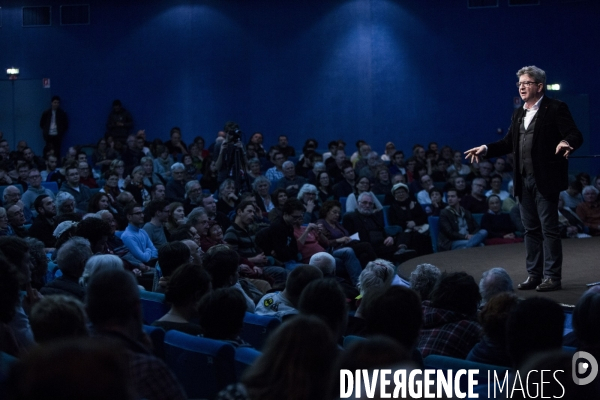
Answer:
(136, 239)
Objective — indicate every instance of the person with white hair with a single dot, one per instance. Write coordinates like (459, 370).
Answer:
(71, 259)
(290, 181)
(65, 203)
(308, 196)
(325, 262)
(175, 189)
(99, 262)
(423, 279)
(493, 282)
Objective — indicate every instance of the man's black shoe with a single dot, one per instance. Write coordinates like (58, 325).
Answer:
(548, 285)
(530, 283)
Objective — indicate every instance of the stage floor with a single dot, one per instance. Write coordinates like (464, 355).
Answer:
(581, 265)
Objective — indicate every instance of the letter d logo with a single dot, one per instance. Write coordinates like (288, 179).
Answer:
(582, 368)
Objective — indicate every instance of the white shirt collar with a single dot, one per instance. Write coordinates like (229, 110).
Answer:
(535, 107)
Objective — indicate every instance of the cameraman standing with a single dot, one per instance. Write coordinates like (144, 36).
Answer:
(231, 162)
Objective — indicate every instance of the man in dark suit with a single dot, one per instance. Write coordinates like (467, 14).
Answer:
(54, 124)
(541, 136)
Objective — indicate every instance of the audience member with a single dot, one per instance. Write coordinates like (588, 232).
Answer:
(534, 325)
(306, 340)
(170, 257)
(344, 186)
(34, 190)
(99, 262)
(450, 328)
(493, 282)
(43, 225)
(58, 317)
(185, 288)
(81, 193)
(411, 218)
(369, 225)
(324, 298)
(589, 210)
(475, 202)
(175, 189)
(222, 263)
(363, 185)
(114, 309)
(71, 259)
(193, 196)
(221, 314)
(498, 225)
(396, 313)
(458, 228)
(159, 215)
(86, 177)
(243, 242)
(136, 239)
(423, 279)
(491, 349)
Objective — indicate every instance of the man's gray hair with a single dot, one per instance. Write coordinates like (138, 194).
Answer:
(423, 279)
(363, 195)
(100, 262)
(195, 214)
(188, 186)
(177, 167)
(538, 74)
(100, 213)
(260, 179)
(6, 190)
(493, 282)
(287, 163)
(306, 188)
(73, 255)
(325, 262)
(61, 197)
(588, 189)
(377, 274)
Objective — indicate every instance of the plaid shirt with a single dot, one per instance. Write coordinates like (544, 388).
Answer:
(447, 333)
(150, 376)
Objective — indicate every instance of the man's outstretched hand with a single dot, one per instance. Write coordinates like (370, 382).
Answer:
(474, 153)
(564, 146)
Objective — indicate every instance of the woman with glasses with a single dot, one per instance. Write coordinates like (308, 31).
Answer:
(308, 196)
(362, 185)
(119, 167)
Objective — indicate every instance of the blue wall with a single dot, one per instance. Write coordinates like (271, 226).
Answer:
(408, 71)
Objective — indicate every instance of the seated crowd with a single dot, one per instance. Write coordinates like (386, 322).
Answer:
(297, 238)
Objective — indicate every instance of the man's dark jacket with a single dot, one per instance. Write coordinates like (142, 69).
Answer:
(449, 228)
(554, 123)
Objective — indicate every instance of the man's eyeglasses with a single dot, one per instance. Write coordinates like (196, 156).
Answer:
(526, 84)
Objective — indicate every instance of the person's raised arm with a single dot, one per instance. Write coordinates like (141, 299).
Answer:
(475, 153)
